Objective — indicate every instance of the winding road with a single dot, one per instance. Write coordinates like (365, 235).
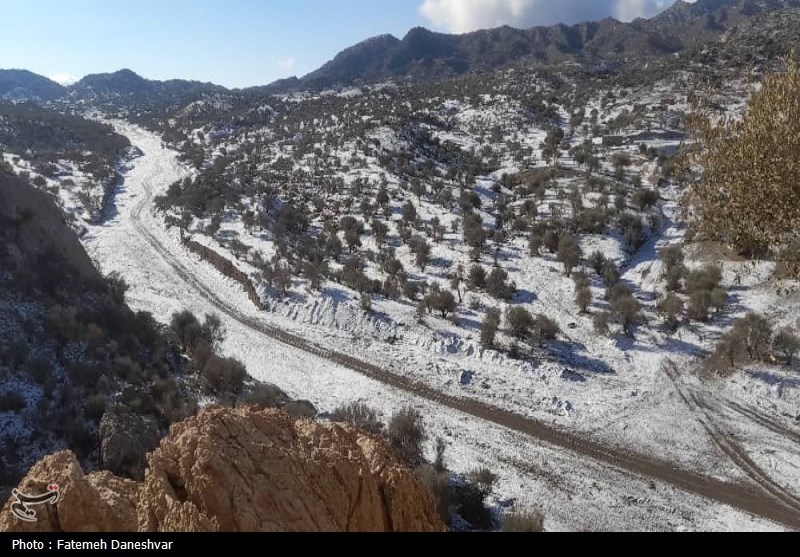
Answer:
(763, 498)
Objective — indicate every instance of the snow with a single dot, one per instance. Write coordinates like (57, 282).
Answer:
(634, 406)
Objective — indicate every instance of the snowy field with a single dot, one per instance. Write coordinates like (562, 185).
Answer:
(636, 406)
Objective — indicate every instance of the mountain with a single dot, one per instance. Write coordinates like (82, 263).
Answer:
(728, 11)
(123, 82)
(126, 85)
(427, 55)
(145, 102)
(762, 40)
(24, 85)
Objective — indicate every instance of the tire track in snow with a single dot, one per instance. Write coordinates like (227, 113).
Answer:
(768, 422)
(727, 443)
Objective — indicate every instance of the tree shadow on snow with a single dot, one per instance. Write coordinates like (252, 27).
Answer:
(469, 323)
(227, 235)
(111, 211)
(525, 297)
(569, 354)
(337, 295)
(772, 378)
(440, 263)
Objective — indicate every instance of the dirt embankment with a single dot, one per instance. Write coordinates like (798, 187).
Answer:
(227, 268)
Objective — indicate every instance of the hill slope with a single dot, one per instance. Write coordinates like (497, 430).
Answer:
(22, 84)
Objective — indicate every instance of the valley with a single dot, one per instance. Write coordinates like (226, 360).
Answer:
(166, 278)
(554, 271)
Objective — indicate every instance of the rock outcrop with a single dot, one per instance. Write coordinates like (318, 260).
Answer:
(241, 470)
(99, 502)
(125, 439)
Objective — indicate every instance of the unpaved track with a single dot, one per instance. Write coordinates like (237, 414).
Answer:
(768, 422)
(746, 498)
(727, 443)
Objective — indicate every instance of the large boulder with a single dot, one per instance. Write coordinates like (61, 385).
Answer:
(244, 470)
(125, 440)
(300, 409)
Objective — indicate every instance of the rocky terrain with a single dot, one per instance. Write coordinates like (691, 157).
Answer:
(80, 369)
(240, 470)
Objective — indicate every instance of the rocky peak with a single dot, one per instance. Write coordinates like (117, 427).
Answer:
(240, 470)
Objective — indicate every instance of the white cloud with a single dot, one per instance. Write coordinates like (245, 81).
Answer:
(461, 16)
(286, 63)
(63, 78)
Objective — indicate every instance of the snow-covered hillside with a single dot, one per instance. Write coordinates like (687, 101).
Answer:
(635, 404)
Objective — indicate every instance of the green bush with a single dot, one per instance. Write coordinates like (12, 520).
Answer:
(489, 328)
(750, 338)
(600, 322)
(597, 261)
(632, 231)
(756, 333)
(525, 521)
(484, 479)
(224, 375)
(628, 309)
(265, 395)
(674, 270)
(359, 415)
(583, 297)
(569, 253)
(673, 277)
(611, 274)
(498, 286)
(406, 433)
(707, 278)
(699, 305)
(672, 257)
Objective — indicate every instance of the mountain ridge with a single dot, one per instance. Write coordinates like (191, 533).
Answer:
(428, 55)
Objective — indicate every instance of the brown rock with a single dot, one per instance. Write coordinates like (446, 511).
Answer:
(99, 502)
(246, 469)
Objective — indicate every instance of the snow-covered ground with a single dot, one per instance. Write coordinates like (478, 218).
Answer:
(637, 406)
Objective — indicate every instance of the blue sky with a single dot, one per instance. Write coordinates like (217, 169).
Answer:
(240, 43)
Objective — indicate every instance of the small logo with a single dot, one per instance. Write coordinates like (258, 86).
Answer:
(21, 507)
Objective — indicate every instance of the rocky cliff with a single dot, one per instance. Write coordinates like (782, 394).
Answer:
(239, 470)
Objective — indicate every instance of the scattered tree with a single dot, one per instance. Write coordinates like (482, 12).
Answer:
(489, 328)
(628, 310)
(520, 322)
(600, 321)
(787, 342)
(477, 277)
(583, 297)
(569, 253)
(737, 153)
